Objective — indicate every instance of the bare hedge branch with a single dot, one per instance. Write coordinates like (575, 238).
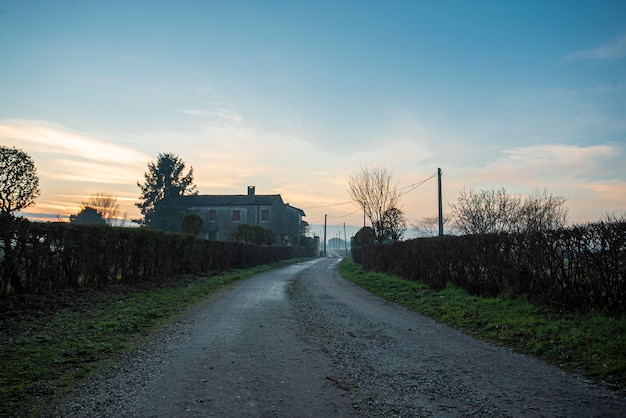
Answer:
(495, 210)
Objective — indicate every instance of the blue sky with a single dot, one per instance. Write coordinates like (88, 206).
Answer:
(293, 97)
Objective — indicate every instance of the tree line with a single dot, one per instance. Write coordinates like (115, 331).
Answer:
(160, 201)
(482, 211)
(166, 184)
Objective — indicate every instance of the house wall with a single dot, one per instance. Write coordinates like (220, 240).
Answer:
(287, 223)
(223, 226)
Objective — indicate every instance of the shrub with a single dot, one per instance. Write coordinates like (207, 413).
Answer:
(37, 257)
(582, 268)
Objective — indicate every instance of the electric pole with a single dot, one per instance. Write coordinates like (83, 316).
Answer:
(345, 242)
(325, 217)
(440, 203)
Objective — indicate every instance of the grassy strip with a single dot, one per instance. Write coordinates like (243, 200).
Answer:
(591, 344)
(48, 346)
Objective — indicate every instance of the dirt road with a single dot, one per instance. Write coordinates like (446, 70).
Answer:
(301, 341)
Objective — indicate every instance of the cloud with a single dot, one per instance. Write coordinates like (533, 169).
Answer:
(584, 175)
(89, 172)
(612, 88)
(611, 51)
(545, 156)
(69, 160)
(216, 113)
(544, 165)
(51, 139)
(226, 158)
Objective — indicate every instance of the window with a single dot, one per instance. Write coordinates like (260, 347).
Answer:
(236, 215)
(265, 215)
(211, 216)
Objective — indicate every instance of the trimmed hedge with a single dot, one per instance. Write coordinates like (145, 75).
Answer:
(38, 257)
(582, 267)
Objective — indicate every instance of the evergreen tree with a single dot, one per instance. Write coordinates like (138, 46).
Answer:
(165, 184)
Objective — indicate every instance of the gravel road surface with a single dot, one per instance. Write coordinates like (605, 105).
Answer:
(300, 341)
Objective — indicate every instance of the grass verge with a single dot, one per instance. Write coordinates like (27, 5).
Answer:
(593, 344)
(49, 343)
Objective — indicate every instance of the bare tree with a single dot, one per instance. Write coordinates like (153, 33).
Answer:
(374, 189)
(19, 183)
(428, 226)
(105, 204)
(495, 210)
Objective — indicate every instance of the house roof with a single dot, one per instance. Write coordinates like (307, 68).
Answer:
(298, 209)
(232, 200)
(250, 199)
(237, 200)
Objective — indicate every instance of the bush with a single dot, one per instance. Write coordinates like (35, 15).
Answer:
(363, 237)
(37, 257)
(191, 224)
(582, 268)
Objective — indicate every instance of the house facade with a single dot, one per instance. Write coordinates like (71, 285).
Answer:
(222, 214)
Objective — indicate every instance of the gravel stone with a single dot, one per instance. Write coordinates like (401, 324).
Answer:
(314, 344)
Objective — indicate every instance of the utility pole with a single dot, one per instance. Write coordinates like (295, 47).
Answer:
(345, 242)
(440, 203)
(325, 217)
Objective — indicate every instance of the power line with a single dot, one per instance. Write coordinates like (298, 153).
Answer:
(330, 205)
(419, 183)
(412, 187)
(345, 216)
(416, 185)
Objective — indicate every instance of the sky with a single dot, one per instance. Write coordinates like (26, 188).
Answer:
(293, 97)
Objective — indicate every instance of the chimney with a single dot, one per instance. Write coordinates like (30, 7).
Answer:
(250, 193)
